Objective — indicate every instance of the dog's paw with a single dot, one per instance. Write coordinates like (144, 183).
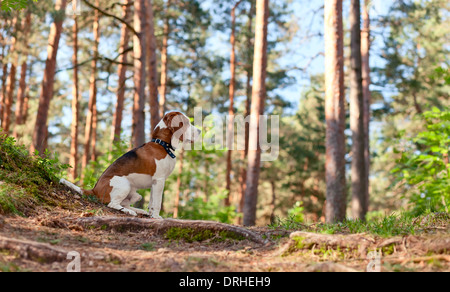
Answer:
(129, 212)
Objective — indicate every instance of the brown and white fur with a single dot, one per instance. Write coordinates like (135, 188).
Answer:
(142, 168)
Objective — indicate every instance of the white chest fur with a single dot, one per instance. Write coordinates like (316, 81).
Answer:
(164, 167)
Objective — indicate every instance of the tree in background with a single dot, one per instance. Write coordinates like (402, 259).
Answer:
(75, 100)
(367, 98)
(40, 134)
(257, 109)
(334, 112)
(358, 168)
(140, 58)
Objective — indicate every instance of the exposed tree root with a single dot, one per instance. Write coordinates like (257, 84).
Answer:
(122, 224)
(330, 267)
(363, 243)
(37, 251)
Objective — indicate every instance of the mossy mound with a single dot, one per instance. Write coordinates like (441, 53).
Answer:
(27, 180)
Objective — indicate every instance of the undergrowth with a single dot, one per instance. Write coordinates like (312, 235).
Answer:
(402, 223)
(26, 179)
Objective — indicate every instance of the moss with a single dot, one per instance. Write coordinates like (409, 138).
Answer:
(194, 235)
(388, 250)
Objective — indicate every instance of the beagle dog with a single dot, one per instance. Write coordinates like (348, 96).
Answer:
(144, 167)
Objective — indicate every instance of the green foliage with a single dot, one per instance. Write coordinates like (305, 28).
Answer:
(403, 223)
(423, 171)
(8, 5)
(212, 209)
(296, 213)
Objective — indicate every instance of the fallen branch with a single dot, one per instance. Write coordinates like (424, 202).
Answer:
(122, 224)
(41, 252)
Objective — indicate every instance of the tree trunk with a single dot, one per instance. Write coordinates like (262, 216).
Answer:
(11, 83)
(139, 48)
(152, 68)
(334, 112)
(164, 63)
(122, 70)
(258, 101)
(230, 132)
(365, 52)
(41, 131)
(91, 115)
(243, 171)
(75, 101)
(23, 76)
(178, 190)
(358, 168)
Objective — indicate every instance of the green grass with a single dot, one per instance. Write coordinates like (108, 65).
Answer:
(396, 224)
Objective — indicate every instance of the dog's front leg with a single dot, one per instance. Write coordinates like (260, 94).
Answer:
(156, 198)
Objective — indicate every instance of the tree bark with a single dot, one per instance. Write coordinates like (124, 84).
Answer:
(73, 161)
(23, 76)
(178, 190)
(164, 63)
(334, 112)
(230, 132)
(122, 70)
(367, 98)
(91, 115)
(11, 81)
(152, 68)
(243, 171)
(258, 101)
(139, 48)
(358, 167)
(41, 131)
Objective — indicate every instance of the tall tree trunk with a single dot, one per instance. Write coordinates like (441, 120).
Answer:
(358, 167)
(365, 53)
(41, 131)
(73, 161)
(334, 112)
(91, 115)
(164, 63)
(258, 101)
(230, 132)
(23, 76)
(139, 48)
(243, 171)
(178, 190)
(3, 89)
(152, 68)
(11, 83)
(122, 70)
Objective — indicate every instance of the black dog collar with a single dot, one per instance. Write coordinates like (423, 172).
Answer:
(166, 146)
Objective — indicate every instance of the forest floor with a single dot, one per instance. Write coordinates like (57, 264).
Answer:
(41, 241)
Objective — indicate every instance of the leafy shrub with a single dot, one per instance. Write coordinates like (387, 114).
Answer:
(213, 209)
(423, 170)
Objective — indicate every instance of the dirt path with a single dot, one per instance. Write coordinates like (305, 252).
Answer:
(104, 249)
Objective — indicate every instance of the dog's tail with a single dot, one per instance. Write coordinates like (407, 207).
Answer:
(74, 188)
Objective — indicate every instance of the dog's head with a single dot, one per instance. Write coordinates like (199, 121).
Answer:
(174, 127)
